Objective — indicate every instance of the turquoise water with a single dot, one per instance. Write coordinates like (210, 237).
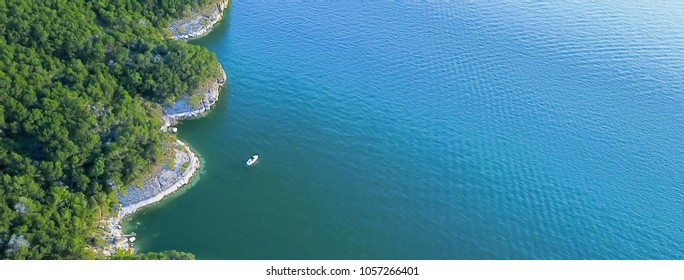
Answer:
(437, 130)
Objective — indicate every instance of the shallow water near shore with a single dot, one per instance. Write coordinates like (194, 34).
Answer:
(413, 130)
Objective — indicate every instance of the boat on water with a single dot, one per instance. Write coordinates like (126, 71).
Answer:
(251, 161)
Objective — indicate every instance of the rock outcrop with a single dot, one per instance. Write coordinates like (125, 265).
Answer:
(165, 180)
(199, 23)
(209, 94)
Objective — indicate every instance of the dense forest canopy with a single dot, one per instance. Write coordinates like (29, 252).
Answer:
(80, 87)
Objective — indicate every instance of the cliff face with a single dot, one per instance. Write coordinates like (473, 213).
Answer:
(200, 23)
(209, 94)
(164, 181)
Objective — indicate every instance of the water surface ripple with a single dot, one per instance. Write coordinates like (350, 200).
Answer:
(438, 130)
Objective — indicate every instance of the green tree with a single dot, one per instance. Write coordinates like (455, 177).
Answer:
(80, 83)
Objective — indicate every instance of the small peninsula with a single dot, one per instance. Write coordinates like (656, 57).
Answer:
(198, 23)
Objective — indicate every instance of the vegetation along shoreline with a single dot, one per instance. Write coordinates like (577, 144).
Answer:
(183, 164)
(90, 92)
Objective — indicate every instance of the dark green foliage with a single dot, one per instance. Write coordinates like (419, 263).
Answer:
(77, 118)
(163, 72)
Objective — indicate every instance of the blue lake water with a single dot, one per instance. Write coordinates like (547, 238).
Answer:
(437, 130)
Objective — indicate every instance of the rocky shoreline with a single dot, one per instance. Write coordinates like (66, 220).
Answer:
(183, 109)
(166, 179)
(200, 23)
(184, 164)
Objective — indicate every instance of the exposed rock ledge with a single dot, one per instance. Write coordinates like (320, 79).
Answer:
(164, 180)
(167, 179)
(200, 23)
(182, 108)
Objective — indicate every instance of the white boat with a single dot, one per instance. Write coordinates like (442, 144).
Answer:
(251, 161)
